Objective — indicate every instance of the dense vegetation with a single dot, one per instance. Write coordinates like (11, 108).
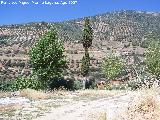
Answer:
(47, 57)
(112, 67)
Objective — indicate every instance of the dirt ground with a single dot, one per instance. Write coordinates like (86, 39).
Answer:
(105, 108)
(83, 105)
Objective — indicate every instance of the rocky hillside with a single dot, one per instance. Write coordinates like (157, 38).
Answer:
(119, 26)
(123, 32)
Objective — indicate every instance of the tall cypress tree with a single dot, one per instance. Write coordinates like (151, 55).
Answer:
(87, 35)
(87, 42)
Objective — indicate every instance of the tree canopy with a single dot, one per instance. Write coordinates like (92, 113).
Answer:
(87, 42)
(112, 67)
(153, 58)
(87, 34)
(47, 58)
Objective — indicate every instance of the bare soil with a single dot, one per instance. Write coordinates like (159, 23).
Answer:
(91, 110)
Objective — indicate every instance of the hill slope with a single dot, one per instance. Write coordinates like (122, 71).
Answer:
(120, 31)
(124, 25)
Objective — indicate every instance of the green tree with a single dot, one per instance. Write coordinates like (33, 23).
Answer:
(47, 58)
(153, 58)
(112, 67)
(85, 65)
(87, 42)
(87, 35)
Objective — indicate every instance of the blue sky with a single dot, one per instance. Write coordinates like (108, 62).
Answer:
(12, 14)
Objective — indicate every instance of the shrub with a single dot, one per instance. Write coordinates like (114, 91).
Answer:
(144, 81)
(3, 42)
(133, 85)
(78, 84)
(3, 39)
(144, 44)
(4, 85)
(98, 75)
(92, 82)
(23, 83)
(60, 82)
(112, 67)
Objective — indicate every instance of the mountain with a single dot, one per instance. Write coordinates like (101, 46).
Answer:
(119, 30)
(127, 25)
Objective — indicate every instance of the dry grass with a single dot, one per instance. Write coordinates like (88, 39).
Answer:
(77, 95)
(33, 94)
(144, 106)
(96, 94)
(5, 94)
(9, 107)
(36, 95)
(9, 110)
(28, 93)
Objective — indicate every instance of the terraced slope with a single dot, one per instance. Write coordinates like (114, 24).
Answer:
(123, 32)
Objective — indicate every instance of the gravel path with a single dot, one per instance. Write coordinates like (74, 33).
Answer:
(111, 106)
